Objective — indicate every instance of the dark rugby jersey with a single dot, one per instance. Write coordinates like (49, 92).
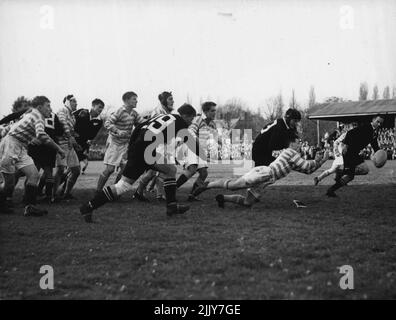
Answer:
(357, 139)
(86, 127)
(274, 136)
(167, 125)
(53, 127)
(12, 118)
(43, 153)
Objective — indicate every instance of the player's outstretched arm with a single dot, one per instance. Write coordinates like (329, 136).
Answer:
(309, 166)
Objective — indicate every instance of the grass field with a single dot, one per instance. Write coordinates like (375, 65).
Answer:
(272, 251)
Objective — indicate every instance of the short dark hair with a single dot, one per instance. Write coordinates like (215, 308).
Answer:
(128, 95)
(162, 97)
(293, 114)
(68, 97)
(187, 109)
(97, 101)
(19, 102)
(39, 101)
(207, 105)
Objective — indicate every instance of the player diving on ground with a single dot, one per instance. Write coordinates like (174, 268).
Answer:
(260, 177)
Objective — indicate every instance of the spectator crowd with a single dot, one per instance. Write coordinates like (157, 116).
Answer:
(228, 150)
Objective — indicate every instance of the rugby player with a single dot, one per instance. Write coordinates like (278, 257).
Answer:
(88, 124)
(69, 145)
(165, 107)
(146, 151)
(19, 107)
(275, 136)
(261, 176)
(120, 125)
(14, 154)
(44, 156)
(355, 140)
(202, 128)
(338, 150)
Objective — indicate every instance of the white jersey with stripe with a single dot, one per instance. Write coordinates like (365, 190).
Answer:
(289, 160)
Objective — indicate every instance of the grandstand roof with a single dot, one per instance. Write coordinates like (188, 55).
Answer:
(340, 110)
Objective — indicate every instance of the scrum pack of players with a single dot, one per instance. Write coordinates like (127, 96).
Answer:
(146, 149)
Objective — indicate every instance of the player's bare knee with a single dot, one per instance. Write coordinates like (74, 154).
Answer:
(108, 171)
(172, 172)
(169, 171)
(33, 178)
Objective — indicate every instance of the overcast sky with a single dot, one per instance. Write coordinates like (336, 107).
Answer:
(216, 50)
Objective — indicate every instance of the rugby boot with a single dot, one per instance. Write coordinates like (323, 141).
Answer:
(86, 211)
(220, 200)
(32, 211)
(175, 208)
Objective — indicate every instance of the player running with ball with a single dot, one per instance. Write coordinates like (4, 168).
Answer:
(355, 140)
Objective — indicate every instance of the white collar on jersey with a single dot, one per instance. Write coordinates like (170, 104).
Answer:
(98, 117)
(284, 120)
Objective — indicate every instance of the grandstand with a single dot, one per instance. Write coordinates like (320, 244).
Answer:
(355, 111)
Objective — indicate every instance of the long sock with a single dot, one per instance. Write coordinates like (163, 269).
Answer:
(64, 179)
(71, 181)
(102, 197)
(235, 198)
(181, 180)
(159, 187)
(3, 197)
(170, 190)
(85, 165)
(345, 180)
(195, 186)
(65, 176)
(101, 182)
(140, 185)
(336, 186)
(49, 187)
(151, 184)
(30, 194)
(119, 174)
(252, 196)
(9, 192)
(41, 184)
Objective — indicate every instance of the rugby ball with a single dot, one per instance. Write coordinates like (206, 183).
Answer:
(379, 158)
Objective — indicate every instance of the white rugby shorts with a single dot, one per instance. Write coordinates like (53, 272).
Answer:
(13, 155)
